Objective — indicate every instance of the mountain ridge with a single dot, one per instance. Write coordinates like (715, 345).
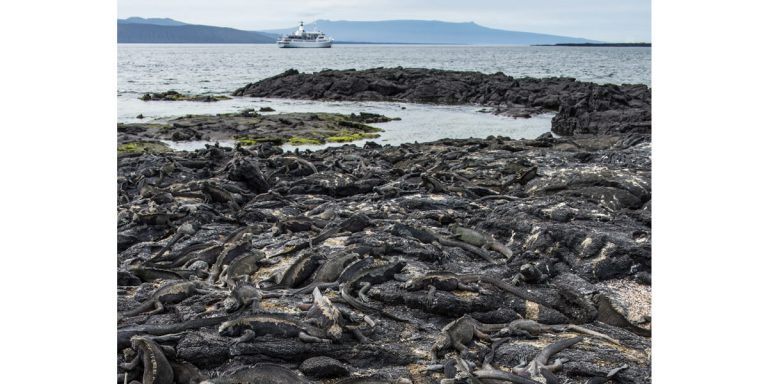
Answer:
(135, 30)
(166, 30)
(429, 32)
(151, 20)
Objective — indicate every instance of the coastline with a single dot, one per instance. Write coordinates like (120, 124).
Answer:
(582, 107)
(572, 215)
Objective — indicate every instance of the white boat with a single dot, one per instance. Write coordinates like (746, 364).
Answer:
(304, 39)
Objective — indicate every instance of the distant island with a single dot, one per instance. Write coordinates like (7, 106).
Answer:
(594, 45)
(164, 30)
(137, 30)
(429, 32)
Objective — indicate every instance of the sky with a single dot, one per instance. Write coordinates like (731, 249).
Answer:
(605, 20)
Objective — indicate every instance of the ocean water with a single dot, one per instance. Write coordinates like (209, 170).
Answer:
(220, 69)
(418, 122)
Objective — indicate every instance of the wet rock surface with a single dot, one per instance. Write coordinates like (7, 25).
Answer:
(249, 127)
(176, 96)
(581, 107)
(448, 261)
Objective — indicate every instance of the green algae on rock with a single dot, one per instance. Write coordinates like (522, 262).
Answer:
(250, 128)
(304, 141)
(254, 140)
(142, 147)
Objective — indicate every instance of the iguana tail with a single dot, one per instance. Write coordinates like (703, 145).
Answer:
(359, 305)
(143, 307)
(590, 332)
(554, 348)
(517, 291)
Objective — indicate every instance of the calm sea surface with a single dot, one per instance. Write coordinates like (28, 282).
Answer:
(220, 69)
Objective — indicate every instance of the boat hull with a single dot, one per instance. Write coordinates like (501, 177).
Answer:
(304, 44)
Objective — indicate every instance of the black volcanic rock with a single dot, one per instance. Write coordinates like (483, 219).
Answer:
(561, 228)
(582, 107)
(323, 367)
(583, 222)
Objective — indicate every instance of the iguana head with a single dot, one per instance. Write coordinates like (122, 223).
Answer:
(231, 328)
(248, 236)
(414, 284)
(335, 332)
(134, 264)
(399, 266)
(186, 228)
(199, 285)
(136, 341)
(442, 341)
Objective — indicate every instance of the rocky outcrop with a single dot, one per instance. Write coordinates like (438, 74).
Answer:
(176, 96)
(581, 107)
(249, 127)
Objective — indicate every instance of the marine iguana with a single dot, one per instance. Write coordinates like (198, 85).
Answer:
(125, 334)
(334, 266)
(373, 380)
(460, 332)
(149, 274)
(537, 370)
(281, 325)
(428, 237)
(297, 224)
(206, 252)
(170, 293)
(464, 367)
(301, 162)
(363, 280)
(452, 281)
(529, 273)
(242, 266)
(531, 328)
(438, 281)
(244, 168)
(480, 239)
(324, 273)
(186, 373)
(220, 195)
(262, 373)
(472, 189)
(243, 296)
(607, 313)
(325, 315)
(157, 369)
(298, 272)
(184, 229)
(434, 185)
(355, 223)
(608, 377)
(231, 250)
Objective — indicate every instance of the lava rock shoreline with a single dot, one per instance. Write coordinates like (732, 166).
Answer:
(582, 107)
(441, 262)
